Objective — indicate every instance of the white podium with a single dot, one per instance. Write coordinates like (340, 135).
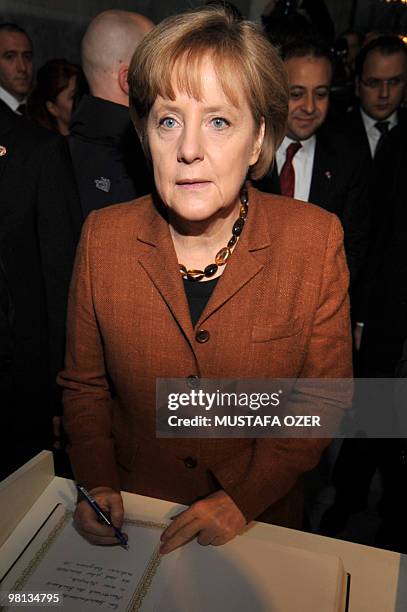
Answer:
(378, 577)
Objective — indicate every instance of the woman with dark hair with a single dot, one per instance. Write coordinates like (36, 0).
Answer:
(50, 105)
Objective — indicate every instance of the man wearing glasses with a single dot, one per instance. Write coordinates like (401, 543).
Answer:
(381, 75)
(381, 310)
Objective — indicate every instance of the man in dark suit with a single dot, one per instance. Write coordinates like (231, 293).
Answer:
(385, 316)
(109, 163)
(6, 318)
(39, 226)
(16, 66)
(315, 163)
(381, 76)
(385, 287)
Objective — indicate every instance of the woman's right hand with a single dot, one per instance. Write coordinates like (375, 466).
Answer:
(86, 519)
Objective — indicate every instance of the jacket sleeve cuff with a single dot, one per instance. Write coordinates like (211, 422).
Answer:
(266, 471)
(96, 470)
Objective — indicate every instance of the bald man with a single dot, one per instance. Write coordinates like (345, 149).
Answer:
(109, 164)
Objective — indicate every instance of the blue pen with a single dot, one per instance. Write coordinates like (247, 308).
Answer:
(101, 514)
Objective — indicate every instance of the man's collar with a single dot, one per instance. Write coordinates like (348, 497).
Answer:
(99, 119)
(369, 122)
(307, 145)
(10, 100)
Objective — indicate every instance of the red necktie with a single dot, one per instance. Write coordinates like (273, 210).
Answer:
(287, 174)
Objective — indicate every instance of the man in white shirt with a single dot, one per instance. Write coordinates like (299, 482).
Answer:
(16, 66)
(315, 163)
(381, 77)
(309, 78)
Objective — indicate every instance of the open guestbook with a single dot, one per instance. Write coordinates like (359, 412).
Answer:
(257, 577)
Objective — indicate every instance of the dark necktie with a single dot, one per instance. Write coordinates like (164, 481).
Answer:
(21, 110)
(383, 128)
(287, 174)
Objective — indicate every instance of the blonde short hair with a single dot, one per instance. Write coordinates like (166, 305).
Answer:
(243, 59)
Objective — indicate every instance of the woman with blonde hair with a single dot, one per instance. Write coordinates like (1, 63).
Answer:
(206, 278)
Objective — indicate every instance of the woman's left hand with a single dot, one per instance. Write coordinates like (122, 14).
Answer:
(215, 520)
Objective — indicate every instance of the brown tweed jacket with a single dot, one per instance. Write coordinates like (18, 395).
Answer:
(280, 309)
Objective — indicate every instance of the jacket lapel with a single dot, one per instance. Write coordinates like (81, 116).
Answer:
(6, 148)
(6, 136)
(160, 263)
(359, 130)
(322, 175)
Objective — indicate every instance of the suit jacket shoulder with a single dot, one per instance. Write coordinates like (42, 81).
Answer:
(337, 161)
(39, 224)
(402, 117)
(281, 214)
(292, 213)
(28, 132)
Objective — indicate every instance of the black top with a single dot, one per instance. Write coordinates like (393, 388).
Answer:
(198, 295)
(109, 163)
(40, 222)
(6, 326)
(339, 184)
(384, 288)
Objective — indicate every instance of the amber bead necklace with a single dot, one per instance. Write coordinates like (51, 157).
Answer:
(223, 255)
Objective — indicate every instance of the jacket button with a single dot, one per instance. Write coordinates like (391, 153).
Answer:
(192, 381)
(202, 336)
(190, 462)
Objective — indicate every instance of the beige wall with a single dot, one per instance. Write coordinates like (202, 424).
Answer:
(87, 9)
(57, 26)
(340, 11)
(79, 9)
